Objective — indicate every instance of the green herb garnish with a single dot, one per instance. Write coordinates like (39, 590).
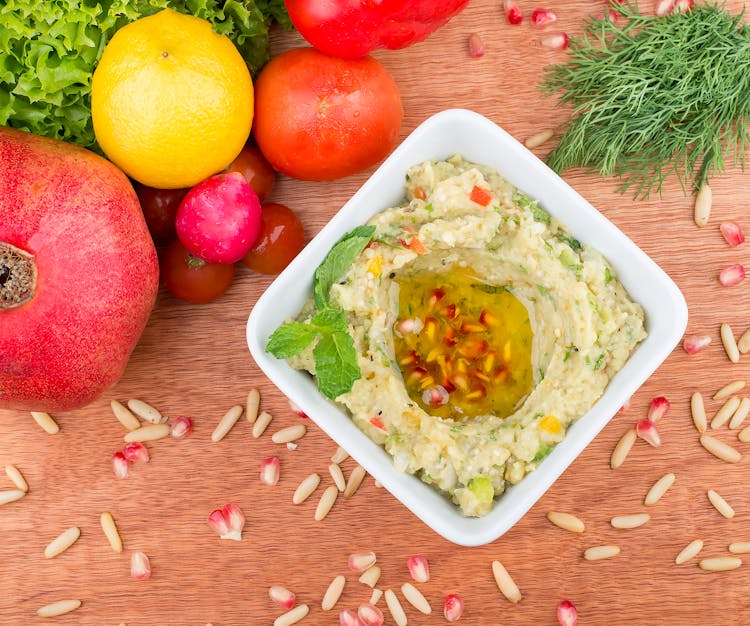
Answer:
(542, 453)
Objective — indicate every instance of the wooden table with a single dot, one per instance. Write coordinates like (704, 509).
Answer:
(193, 360)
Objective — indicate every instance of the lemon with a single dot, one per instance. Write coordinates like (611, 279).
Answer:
(171, 100)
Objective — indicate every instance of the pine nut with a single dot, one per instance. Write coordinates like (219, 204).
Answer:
(505, 583)
(698, 411)
(333, 593)
(720, 450)
(145, 411)
(151, 432)
(690, 551)
(338, 476)
(725, 412)
(339, 456)
(226, 423)
(740, 414)
(17, 478)
(253, 402)
(729, 389)
(743, 345)
(62, 542)
(290, 433)
(702, 208)
(539, 138)
(110, 531)
(744, 434)
(45, 420)
(720, 504)
(124, 416)
(739, 547)
(327, 500)
(293, 616)
(375, 596)
(370, 576)
(58, 608)
(729, 343)
(264, 419)
(720, 563)
(630, 521)
(597, 553)
(415, 598)
(659, 488)
(11, 495)
(355, 480)
(394, 606)
(566, 521)
(305, 489)
(622, 448)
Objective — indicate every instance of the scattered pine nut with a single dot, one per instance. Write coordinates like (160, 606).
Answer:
(720, 563)
(720, 450)
(729, 389)
(690, 551)
(698, 411)
(740, 414)
(17, 478)
(339, 456)
(505, 583)
(743, 344)
(11, 495)
(327, 500)
(377, 484)
(145, 411)
(720, 504)
(260, 425)
(110, 531)
(58, 608)
(290, 433)
(151, 432)
(597, 553)
(62, 542)
(293, 616)
(253, 402)
(739, 547)
(659, 488)
(375, 596)
(744, 434)
(539, 138)
(729, 343)
(370, 576)
(630, 521)
(724, 414)
(702, 208)
(305, 489)
(355, 480)
(394, 606)
(567, 521)
(622, 448)
(338, 476)
(415, 597)
(124, 416)
(45, 420)
(226, 423)
(333, 593)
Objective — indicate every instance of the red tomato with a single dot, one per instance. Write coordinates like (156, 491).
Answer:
(322, 118)
(251, 163)
(159, 208)
(188, 278)
(280, 240)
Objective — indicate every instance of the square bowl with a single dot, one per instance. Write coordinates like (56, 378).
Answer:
(479, 140)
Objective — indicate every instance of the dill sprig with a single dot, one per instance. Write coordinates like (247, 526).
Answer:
(655, 95)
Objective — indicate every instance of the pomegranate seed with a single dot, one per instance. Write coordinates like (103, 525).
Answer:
(120, 465)
(370, 615)
(646, 430)
(566, 613)
(665, 6)
(695, 343)
(435, 396)
(683, 6)
(554, 41)
(135, 452)
(140, 566)
(228, 522)
(513, 12)
(181, 427)
(290, 445)
(360, 561)
(269, 470)
(297, 411)
(281, 596)
(612, 15)
(411, 325)
(419, 568)
(732, 233)
(349, 618)
(476, 46)
(625, 406)
(453, 608)
(732, 275)
(658, 408)
(542, 17)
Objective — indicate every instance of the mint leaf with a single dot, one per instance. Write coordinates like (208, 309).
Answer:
(330, 320)
(335, 364)
(290, 339)
(338, 260)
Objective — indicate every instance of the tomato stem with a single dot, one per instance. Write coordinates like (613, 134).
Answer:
(17, 276)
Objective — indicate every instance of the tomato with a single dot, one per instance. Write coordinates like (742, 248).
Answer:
(280, 240)
(322, 118)
(159, 208)
(251, 163)
(188, 278)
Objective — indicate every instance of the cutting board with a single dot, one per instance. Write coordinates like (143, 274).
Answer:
(193, 360)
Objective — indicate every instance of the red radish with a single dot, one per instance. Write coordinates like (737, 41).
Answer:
(120, 465)
(513, 12)
(419, 568)
(78, 273)
(370, 615)
(453, 608)
(281, 596)
(658, 408)
(228, 522)
(695, 343)
(269, 470)
(554, 41)
(732, 233)
(140, 566)
(732, 275)
(542, 17)
(567, 614)
(476, 46)
(136, 452)
(181, 427)
(349, 618)
(219, 219)
(646, 430)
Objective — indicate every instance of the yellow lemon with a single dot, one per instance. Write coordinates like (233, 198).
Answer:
(171, 100)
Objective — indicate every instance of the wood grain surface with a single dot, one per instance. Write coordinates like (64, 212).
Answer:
(193, 360)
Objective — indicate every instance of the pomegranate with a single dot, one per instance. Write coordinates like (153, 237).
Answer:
(78, 273)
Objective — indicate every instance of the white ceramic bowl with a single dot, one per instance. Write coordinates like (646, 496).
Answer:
(479, 140)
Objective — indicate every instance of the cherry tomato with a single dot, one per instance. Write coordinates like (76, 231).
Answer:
(251, 163)
(322, 118)
(159, 208)
(280, 240)
(188, 278)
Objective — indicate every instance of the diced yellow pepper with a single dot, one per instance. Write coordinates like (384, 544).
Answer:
(375, 266)
(550, 424)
